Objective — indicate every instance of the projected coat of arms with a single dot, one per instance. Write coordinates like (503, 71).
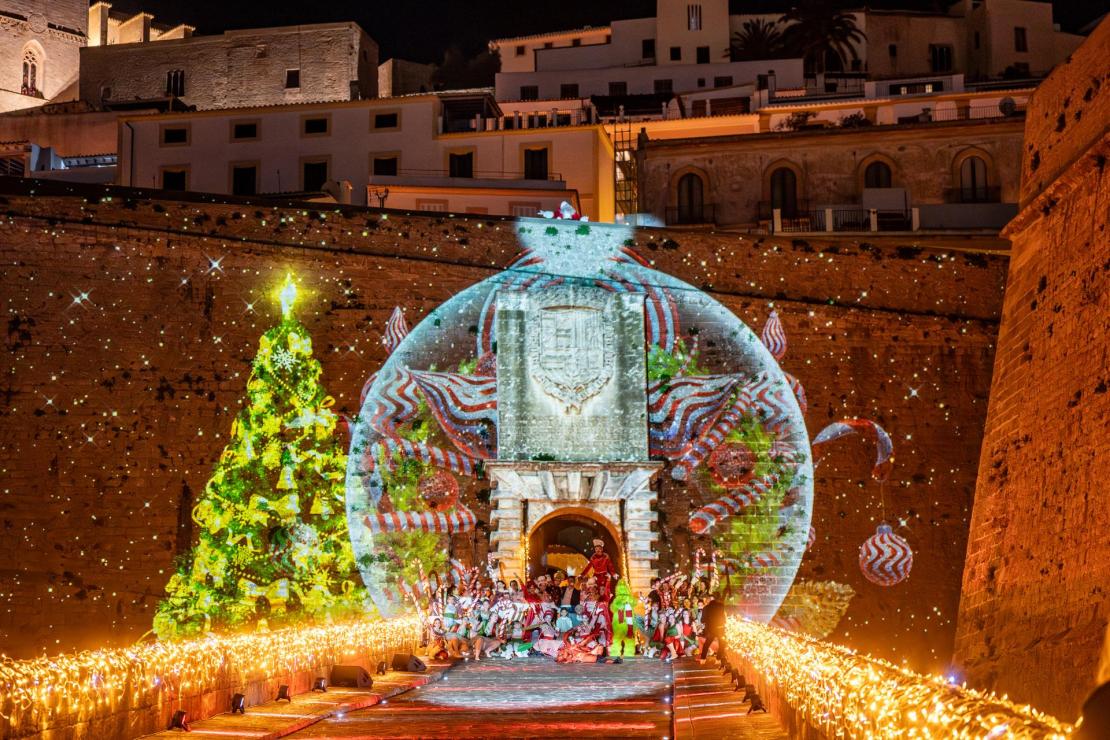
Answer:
(572, 353)
(570, 375)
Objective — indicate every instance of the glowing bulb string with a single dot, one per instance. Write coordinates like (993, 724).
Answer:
(847, 695)
(54, 692)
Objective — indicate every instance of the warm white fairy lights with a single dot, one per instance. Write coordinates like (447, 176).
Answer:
(843, 694)
(44, 693)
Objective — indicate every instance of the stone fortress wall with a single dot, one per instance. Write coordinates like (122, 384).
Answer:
(132, 320)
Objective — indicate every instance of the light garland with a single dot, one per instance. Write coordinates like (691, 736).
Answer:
(846, 695)
(52, 692)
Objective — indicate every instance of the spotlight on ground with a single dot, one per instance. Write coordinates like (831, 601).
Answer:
(238, 704)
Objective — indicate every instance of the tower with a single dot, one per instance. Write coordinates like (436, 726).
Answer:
(691, 32)
(40, 43)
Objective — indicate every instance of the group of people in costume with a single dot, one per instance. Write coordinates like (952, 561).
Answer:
(588, 618)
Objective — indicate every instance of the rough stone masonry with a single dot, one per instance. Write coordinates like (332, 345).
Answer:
(132, 320)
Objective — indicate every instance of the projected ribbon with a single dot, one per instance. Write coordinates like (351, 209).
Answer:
(395, 330)
(459, 520)
(884, 448)
(731, 503)
(465, 407)
(774, 337)
(681, 409)
(660, 311)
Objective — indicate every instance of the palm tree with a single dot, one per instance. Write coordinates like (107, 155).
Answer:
(758, 39)
(819, 30)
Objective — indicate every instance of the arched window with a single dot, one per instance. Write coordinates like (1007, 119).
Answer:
(877, 175)
(691, 199)
(31, 73)
(973, 180)
(784, 191)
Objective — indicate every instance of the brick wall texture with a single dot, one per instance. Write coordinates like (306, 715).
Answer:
(132, 322)
(1034, 610)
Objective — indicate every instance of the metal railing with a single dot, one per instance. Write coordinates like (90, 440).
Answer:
(690, 216)
(975, 111)
(475, 174)
(837, 218)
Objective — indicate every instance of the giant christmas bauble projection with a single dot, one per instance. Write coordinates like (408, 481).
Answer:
(721, 417)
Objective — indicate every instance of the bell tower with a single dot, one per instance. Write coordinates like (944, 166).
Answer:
(691, 31)
(40, 51)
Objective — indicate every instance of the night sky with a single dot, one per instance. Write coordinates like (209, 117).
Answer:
(421, 29)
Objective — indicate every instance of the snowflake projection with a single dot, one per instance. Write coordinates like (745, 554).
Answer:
(712, 382)
(283, 359)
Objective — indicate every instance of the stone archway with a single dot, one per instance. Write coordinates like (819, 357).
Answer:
(563, 540)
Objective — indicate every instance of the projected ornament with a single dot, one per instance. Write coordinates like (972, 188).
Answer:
(732, 465)
(440, 491)
(885, 558)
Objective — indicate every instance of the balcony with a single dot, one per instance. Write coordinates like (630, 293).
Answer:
(693, 215)
(956, 215)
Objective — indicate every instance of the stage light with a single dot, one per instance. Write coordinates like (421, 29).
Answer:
(283, 693)
(320, 684)
(238, 704)
(180, 720)
(381, 667)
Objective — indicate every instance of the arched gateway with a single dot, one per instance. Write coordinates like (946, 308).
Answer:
(554, 399)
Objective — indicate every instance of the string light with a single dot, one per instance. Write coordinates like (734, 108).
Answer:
(54, 692)
(844, 694)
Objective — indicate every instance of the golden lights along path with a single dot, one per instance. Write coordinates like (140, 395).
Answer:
(837, 691)
(43, 693)
(842, 694)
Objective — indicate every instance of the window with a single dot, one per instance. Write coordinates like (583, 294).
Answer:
(436, 206)
(244, 130)
(703, 55)
(877, 175)
(568, 90)
(690, 199)
(647, 49)
(386, 120)
(663, 86)
(976, 37)
(385, 166)
(524, 209)
(31, 75)
(693, 17)
(175, 82)
(315, 125)
(701, 82)
(175, 135)
(529, 92)
(940, 57)
(576, 42)
(535, 164)
(460, 164)
(676, 53)
(1021, 43)
(892, 50)
(292, 79)
(314, 173)
(176, 178)
(784, 191)
(618, 89)
(973, 180)
(244, 179)
(723, 81)
(520, 50)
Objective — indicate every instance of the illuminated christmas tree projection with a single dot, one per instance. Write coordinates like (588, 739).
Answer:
(273, 539)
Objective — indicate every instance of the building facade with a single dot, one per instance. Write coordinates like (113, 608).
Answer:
(40, 44)
(261, 66)
(420, 152)
(894, 174)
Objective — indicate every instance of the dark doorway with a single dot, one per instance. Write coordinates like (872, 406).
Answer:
(566, 541)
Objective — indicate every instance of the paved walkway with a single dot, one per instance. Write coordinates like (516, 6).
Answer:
(706, 707)
(279, 719)
(532, 697)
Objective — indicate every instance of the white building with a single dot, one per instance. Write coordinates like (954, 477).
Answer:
(412, 152)
(684, 50)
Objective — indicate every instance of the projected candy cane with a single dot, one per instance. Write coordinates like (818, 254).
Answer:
(459, 520)
(731, 503)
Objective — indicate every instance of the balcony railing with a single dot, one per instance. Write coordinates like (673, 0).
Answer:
(973, 112)
(832, 219)
(691, 216)
(474, 175)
